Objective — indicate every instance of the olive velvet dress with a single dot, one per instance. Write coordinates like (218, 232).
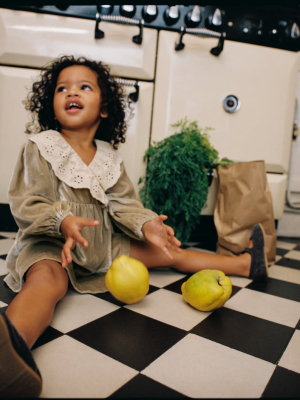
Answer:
(50, 182)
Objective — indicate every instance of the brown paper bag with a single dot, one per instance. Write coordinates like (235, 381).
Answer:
(243, 200)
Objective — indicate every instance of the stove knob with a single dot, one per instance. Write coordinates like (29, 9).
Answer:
(273, 33)
(295, 31)
(149, 13)
(193, 18)
(127, 11)
(105, 10)
(171, 15)
(215, 20)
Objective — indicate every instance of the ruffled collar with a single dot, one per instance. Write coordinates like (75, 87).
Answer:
(101, 174)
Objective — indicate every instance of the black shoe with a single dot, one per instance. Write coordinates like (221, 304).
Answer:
(259, 262)
(19, 375)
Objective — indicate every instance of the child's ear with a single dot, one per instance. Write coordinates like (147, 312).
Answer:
(103, 113)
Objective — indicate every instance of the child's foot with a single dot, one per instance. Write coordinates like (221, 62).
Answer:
(19, 375)
(259, 262)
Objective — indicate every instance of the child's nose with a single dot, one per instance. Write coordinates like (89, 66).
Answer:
(72, 92)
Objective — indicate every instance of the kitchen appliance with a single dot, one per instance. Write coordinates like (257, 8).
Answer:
(231, 68)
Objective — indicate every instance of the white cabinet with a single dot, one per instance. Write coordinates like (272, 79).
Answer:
(14, 84)
(193, 83)
(34, 39)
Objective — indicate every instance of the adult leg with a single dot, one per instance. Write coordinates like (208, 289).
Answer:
(189, 261)
(26, 318)
(32, 309)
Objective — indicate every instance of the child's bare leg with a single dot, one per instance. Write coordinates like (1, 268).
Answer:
(189, 261)
(32, 309)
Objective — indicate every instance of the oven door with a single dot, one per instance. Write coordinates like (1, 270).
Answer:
(193, 83)
(15, 84)
(33, 39)
(138, 133)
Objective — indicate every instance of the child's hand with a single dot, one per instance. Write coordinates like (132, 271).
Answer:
(156, 232)
(70, 228)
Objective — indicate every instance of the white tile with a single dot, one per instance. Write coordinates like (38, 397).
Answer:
(170, 308)
(293, 254)
(239, 281)
(266, 306)
(3, 270)
(71, 369)
(277, 258)
(5, 245)
(200, 368)
(163, 277)
(291, 356)
(11, 235)
(76, 309)
(285, 274)
(285, 245)
(2, 304)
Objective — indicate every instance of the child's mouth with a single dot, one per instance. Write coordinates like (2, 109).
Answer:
(73, 107)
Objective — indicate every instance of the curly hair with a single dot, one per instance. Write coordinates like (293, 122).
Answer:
(113, 101)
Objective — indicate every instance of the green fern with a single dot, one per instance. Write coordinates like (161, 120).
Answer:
(176, 182)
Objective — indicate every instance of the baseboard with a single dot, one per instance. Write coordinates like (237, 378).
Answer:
(7, 222)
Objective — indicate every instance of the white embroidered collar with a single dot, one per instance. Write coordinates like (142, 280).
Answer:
(101, 174)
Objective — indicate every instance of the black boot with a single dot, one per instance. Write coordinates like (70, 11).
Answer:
(259, 262)
(19, 375)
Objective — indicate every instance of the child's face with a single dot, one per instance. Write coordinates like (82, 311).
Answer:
(77, 99)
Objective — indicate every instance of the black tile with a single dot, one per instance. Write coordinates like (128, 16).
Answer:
(255, 336)
(235, 290)
(176, 286)
(297, 248)
(281, 252)
(298, 325)
(143, 387)
(6, 295)
(129, 337)
(288, 262)
(283, 383)
(46, 337)
(3, 237)
(3, 257)
(107, 296)
(278, 288)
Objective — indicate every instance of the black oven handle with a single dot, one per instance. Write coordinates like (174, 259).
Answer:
(117, 19)
(203, 32)
(134, 96)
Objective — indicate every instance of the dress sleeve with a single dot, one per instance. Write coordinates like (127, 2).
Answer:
(32, 195)
(125, 209)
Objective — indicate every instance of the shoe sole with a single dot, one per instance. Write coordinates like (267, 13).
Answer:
(266, 260)
(17, 379)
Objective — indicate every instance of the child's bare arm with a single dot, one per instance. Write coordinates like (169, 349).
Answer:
(70, 228)
(156, 232)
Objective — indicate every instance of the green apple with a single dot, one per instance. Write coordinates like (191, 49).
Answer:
(207, 290)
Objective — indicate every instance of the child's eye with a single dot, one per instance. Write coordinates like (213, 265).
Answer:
(61, 89)
(85, 87)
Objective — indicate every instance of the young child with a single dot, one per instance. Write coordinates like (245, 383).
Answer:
(66, 181)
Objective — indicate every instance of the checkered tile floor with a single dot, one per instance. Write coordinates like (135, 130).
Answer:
(161, 347)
